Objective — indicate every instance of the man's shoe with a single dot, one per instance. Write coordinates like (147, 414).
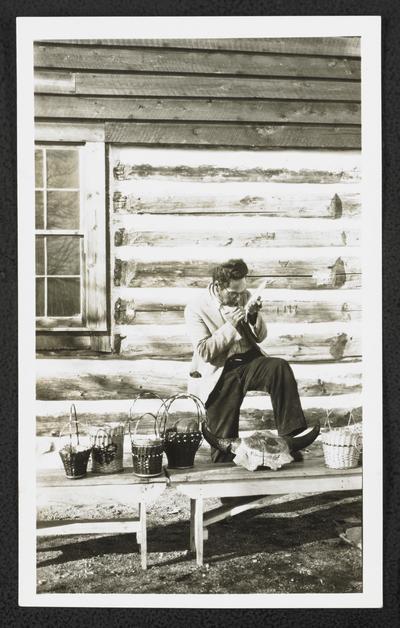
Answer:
(297, 456)
(223, 444)
(296, 443)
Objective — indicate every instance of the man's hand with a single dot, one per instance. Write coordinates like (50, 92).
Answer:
(253, 310)
(234, 315)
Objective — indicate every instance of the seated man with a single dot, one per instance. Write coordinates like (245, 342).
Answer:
(228, 362)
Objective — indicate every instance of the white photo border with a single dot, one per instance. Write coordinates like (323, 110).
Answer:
(369, 29)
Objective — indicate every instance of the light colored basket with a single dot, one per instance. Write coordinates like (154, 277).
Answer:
(108, 448)
(342, 446)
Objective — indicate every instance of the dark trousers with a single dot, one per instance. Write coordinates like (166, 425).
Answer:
(253, 371)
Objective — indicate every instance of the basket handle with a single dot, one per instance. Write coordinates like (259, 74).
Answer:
(141, 395)
(73, 408)
(327, 422)
(198, 403)
(69, 425)
(156, 430)
(351, 420)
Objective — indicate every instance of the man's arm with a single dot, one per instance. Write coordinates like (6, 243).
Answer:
(259, 328)
(258, 325)
(209, 345)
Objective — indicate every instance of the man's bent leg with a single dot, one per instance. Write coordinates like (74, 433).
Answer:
(223, 408)
(275, 376)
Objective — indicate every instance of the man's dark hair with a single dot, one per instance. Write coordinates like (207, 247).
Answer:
(232, 269)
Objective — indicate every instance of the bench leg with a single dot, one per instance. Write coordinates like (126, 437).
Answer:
(196, 529)
(142, 536)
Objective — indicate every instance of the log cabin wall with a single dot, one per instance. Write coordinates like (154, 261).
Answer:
(215, 149)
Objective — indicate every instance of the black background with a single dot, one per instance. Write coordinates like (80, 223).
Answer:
(10, 613)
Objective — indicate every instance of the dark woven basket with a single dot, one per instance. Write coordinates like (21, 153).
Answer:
(181, 447)
(74, 457)
(75, 463)
(147, 451)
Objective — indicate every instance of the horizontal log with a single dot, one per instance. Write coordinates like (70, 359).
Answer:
(206, 173)
(72, 379)
(147, 402)
(214, 86)
(249, 136)
(251, 418)
(150, 310)
(299, 204)
(340, 46)
(213, 164)
(192, 62)
(294, 347)
(254, 239)
(296, 274)
(296, 342)
(55, 106)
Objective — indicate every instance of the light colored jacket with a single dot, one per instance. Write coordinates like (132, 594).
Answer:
(212, 337)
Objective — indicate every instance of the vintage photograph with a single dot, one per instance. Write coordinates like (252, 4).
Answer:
(198, 294)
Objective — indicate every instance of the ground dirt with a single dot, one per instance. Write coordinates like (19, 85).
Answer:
(286, 548)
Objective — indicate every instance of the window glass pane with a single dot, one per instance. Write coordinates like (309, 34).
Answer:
(63, 255)
(63, 297)
(62, 168)
(38, 168)
(40, 256)
(62, 210)
(39, 209)
(40, 297)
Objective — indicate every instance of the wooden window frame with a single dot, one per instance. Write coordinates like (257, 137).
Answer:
(92, 172)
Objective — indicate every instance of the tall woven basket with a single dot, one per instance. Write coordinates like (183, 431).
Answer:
(182, 441)
(147, 450)
(342, 446)
(74, 449)
(108, 448)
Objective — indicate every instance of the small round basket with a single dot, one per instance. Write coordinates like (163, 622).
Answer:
(74, 449)
(108, 448)
(147, 450)
(181, 442)
(342, 446)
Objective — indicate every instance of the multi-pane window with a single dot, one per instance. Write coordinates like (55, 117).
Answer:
(59, 235)
(70, 237)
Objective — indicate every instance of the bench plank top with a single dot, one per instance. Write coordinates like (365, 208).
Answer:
(229, 472)
(57, 478)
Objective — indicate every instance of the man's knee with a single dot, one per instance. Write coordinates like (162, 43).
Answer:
(279, 364)
(281, 369)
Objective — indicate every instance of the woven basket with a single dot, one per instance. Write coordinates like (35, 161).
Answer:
(342, 446)
(74, 451)
(108, 448)
(180, 446)
(147, 451)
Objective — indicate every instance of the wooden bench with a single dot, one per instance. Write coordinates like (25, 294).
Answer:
(54, 488)
(203, 481)
(228, 480)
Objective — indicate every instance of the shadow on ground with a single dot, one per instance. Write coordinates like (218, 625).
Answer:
(292, 547)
